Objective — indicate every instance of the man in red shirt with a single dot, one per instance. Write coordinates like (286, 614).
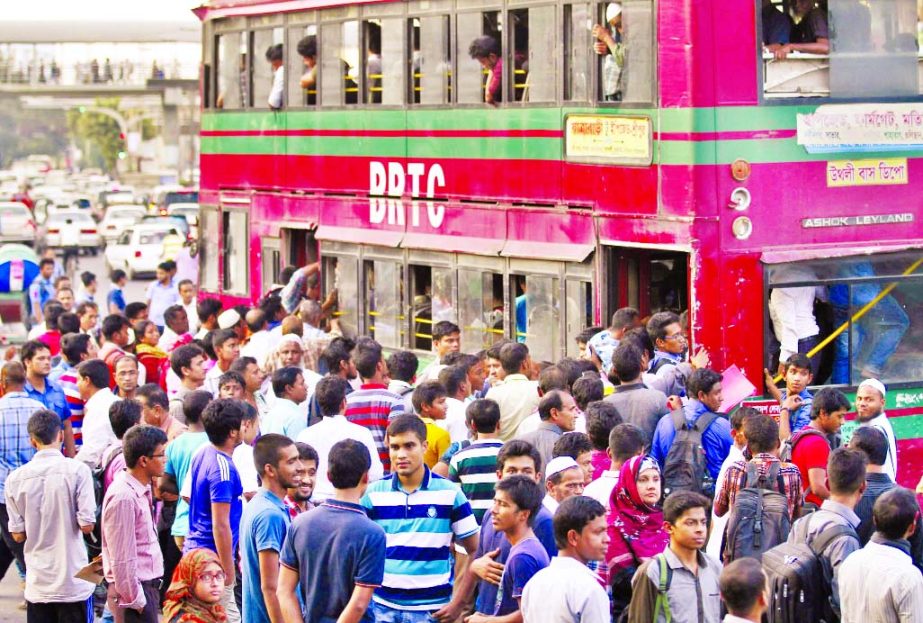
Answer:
(811, 446)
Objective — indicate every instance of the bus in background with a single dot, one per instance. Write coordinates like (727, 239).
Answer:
(525, 168)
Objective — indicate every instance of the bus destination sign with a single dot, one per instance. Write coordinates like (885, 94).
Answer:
(609, 139)
(869, 172)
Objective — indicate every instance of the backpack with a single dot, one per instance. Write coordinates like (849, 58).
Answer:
(760, 518)
(665, 578)
(684, 469)
(799, 586)
(94, 540)
(788, 448)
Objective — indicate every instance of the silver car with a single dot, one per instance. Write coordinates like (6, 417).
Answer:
(16, 223)
(119, 218)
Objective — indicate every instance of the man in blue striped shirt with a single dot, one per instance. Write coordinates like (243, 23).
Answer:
(420, 513)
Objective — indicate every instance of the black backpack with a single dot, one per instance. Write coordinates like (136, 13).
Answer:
(760, 518)
(788, 448)
(94, 539)
(684, 469)
(800, 589)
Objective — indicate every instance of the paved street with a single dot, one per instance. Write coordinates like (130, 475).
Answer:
(10, 598)
(134, 291)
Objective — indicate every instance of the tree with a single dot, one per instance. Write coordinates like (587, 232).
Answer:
(100, 131)
(24, 132)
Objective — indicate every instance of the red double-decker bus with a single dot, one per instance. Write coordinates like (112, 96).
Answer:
(526, 167)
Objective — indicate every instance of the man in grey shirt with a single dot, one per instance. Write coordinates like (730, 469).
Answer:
(638, 404)
(846, 477)
(558, 412)
(186, 362)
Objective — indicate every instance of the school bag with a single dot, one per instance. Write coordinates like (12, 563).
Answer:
(684, 469)
(785, 455)
(664, 578)
(94, 539)
(759, 519)
(799, 587)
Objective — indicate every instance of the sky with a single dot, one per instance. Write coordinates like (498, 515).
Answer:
(95, 10)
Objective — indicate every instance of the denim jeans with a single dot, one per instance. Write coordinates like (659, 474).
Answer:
(875, 337)
(384, 614)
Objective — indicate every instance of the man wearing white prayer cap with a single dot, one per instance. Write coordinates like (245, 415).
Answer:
(870, 411)
(563, 479)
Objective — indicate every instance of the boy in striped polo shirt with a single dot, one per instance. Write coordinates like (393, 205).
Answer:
(372, 405)
(475, 467)
(420, 513)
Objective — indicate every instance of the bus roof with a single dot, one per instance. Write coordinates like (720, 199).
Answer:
(215, 9)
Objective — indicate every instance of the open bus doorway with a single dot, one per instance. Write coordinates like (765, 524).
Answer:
(650, 280)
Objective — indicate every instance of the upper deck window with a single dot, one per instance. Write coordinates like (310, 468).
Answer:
(232, 71)
(302, 65)
(430, 59)
(267, 68)
(844, 49)
(624, 44)
(340, 63)
(480, 57)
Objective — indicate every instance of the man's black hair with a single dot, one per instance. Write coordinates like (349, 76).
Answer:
(123, 414)
(141, 440)
(45, 261)
(512, 356)
(426, 394)
(846, 470)
(762, 433)
(117, 275)
(574, 513)
(172, 313)
(268, 451)
(658, 323)
(407, 423)
(680, 502)
(30, 349)
(96, 371)
(601, 418)
(572, 445)
(894, 512)
(231, 377)
(68, 323)
(285, 377)
(347, 462)
(737, 418)
(257, 320)
(518, 447)
(241, 363)
(552, 378)
(829, 400)
(44, 426)
(220, 336)
(367, 356)
(444, 328)
(154, 395)
(482, 47)
(86, 278)
(307, 47)
(74, 346)
(402, 365)
(572, 370)
(524, 492)
(588, 388)
(452, 378)
(625, 441)
(52, 311)
(330, 393)
(640, 339)
(587, 334)
(207, 308)
(798, 360)
(221, 417)
(494, 351)
(741, 583)
(84, 306)
(335, 354)
(624, 318)
(702, 380)
(626, 362)
(872, 442)
(306, 452)
(194, 403)
(552, 400)
(112, 324)
(133, 310)
(484, 413)
(274, 52)
(182, 357)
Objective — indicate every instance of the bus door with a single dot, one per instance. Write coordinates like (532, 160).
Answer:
(341, 274)
(432, 296)
(534, 297)
(650, 280)
(270, 262)
(481, 284)
(383, 296)
(579, 310)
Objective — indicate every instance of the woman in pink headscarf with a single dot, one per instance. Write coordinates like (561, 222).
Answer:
(635, 525)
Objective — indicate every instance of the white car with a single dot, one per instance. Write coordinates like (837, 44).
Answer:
(119, 218)
(16, 223)
(189, 211)
(139, 249)
(72, 228)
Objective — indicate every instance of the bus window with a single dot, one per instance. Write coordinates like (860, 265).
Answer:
(480, 308)
(383, 287)
(384, 61)
(271, 262)
(533, 62)
(267, 74)
(208, 249)
(233, 81)
(341, 274)
(431, 59)
(302, 86)
(648, 280)
(577, 44)
(624, 45)
(433, 301)
(236, 252)
(340, 63)
(536, 315)
(578, 312)
(480, 58)
(867, 301)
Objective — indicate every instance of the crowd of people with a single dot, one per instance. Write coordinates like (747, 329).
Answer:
(172, 460)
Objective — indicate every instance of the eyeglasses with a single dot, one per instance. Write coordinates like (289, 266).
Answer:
(157, 456)
(675, 336)
(212, 578)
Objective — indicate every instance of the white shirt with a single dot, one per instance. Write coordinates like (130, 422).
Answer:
(792, 309)
(257, 347)
(879, 584)
(400, 388)
(278, 84)
(601, 488)
(550, 503)
(566, 591)
(881, 422)
(48, 498)
(211, 379)
(430, 372)
(192, 314)
(454, 421)
(284, 418)
(322, 437)
(730, 618)
(97, 431)
(243, 461)
(713, 547)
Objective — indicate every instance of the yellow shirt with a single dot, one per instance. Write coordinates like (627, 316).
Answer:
(437, 440)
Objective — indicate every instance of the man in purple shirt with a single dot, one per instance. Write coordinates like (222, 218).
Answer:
(132, 562)
(215, 504)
